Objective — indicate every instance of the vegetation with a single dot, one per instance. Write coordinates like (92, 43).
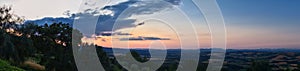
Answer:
(5, 66)
(259, 66)
(49, 46)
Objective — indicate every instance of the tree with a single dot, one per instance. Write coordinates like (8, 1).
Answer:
(13, 46)
(54, 42)
(51, 45)
(298, 67)
(103, 57)
(5, 66)
(202, 66)
(137, 56)
(259, 66)
(7, 19)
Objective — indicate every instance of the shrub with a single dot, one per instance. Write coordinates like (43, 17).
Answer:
(5, 66)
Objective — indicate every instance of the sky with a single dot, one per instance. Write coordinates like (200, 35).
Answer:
(250, 23)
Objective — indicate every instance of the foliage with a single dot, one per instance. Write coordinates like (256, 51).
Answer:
(5, 66)
(50, 44)
(14, 47)
(259, 66)
(54, 42)
(7, 19)
(137, 56)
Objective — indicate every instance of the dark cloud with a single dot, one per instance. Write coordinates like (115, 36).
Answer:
(149, 7)
(106, 21)
(143, 38)
(114, 33)
(155, 38)
(174, 2)
(132, 39)
(106, 34)
(123, 34)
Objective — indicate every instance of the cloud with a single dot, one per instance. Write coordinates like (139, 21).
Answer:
(106, 34)
(149, 7)
(143, 38)
(108, 15)
(125, 34)
(114, 33)
(174, 2)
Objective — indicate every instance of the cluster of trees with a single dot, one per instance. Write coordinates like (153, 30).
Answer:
(11, 48)
(29, 46)
(259, 66)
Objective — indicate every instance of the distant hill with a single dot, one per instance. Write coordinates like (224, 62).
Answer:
(109, 50)
(50, 20)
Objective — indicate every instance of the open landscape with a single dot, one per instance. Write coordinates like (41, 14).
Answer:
(149, 35)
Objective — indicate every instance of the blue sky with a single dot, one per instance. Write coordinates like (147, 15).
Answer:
(271, 14)
(281, 17)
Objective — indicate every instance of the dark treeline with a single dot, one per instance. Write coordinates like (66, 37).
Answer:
(33, 47)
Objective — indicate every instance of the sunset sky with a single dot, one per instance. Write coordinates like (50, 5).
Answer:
(250, 23)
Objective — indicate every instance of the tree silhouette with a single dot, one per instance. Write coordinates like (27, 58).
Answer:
(7, 19)
(259, 66)
(14, 46)
(54, 42)
(137, 56)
